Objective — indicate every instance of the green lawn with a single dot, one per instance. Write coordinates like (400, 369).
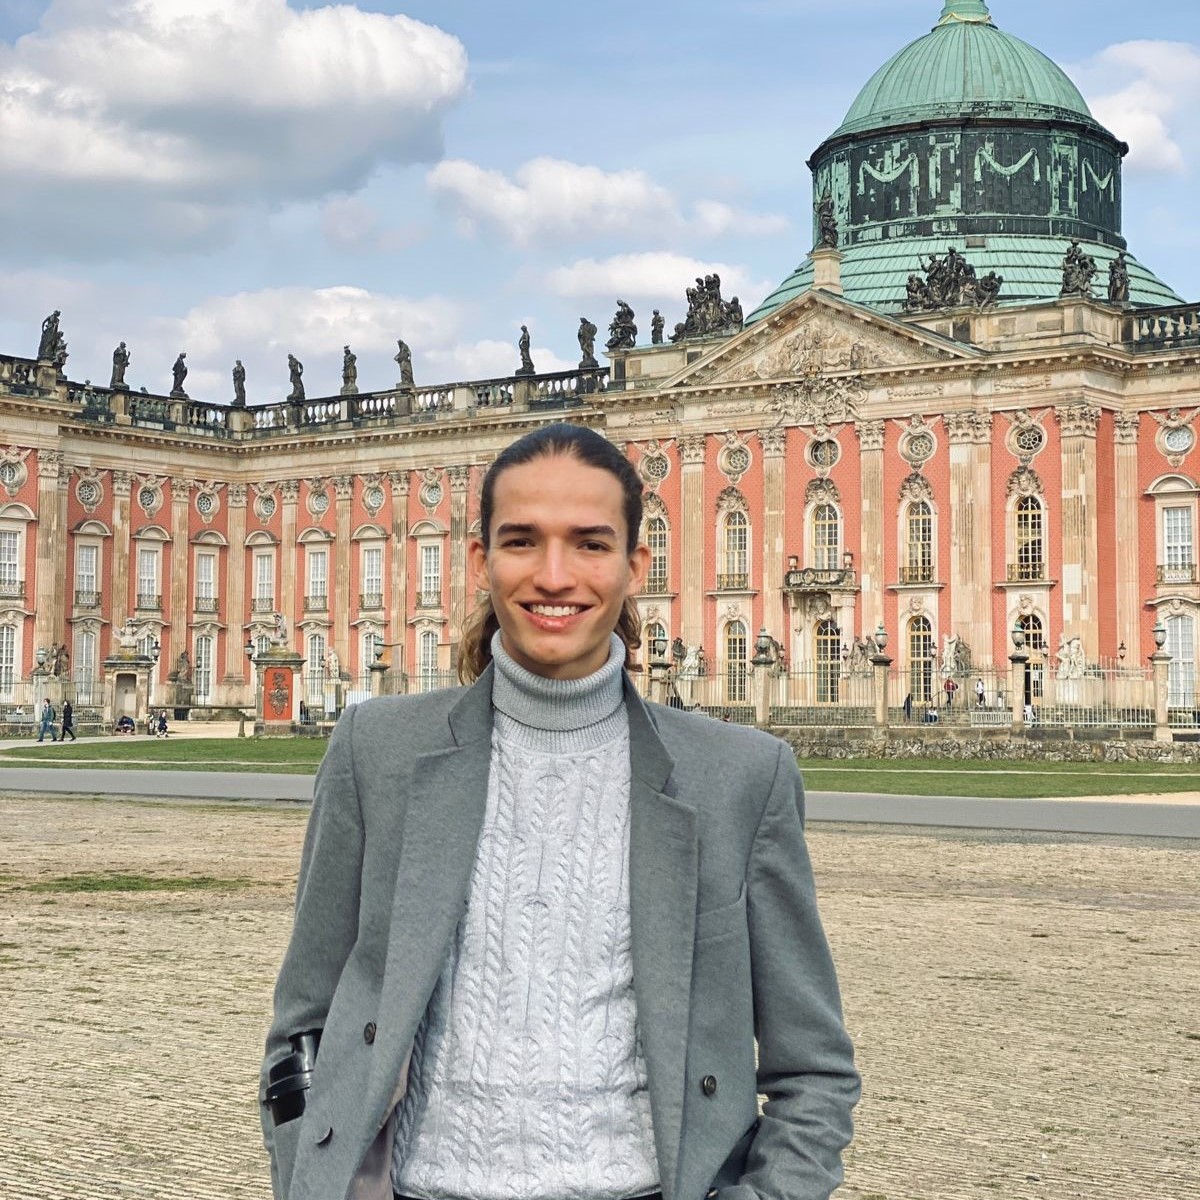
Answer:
(1009, 780)
(289, 756)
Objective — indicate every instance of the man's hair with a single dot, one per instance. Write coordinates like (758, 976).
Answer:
(591, 450)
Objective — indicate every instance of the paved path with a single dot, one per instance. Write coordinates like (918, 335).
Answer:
(1165, 817)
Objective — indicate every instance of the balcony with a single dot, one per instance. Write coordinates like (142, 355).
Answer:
(149, 601)
(370, 600)
(733, 583)
(1179, 573)
(263, 604)
(205, 604)
(429, 599)
(819, 579)
(1028, 572)
(317, 603)
(657, 584)
(85, 598)
(921, 573)
(12, 590)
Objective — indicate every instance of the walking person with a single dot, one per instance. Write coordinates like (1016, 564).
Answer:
(47, 722)
(949, 687)
(551, 940)
(68, 721)
(980, 694)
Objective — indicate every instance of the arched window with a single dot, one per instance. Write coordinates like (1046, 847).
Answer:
(736, 651)
(656, 539)
(427, 660)
(829, 662)
(919, 549)
(1030, 547)
(85, 667)
(370, 641)
(202, 674)
(8, 660)
(827, 538)
(1181, 674)
(1035, 643)
(315, 670)
(922, 660)
(735, 555)
(653, 632)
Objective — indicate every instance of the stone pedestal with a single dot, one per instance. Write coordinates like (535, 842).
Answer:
(827, 269)
(127, 688)
(1160, 662)
(882, 666)
(1020, 666)
(378, 676)
(277, 707)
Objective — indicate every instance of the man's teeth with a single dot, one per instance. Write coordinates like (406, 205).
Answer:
(555, 610)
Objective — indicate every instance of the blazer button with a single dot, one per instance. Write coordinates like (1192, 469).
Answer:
(324, 1135)
(369, 1033)
(708, 1085)
(712, 1194)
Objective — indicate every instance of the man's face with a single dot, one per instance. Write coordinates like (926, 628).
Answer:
(558, 569)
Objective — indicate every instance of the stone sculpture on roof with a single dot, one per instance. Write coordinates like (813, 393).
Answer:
(296, 375)
(239, 384)
(403, 360)
(120, 361)
(708, 314)
(657, 324)
(827, 222)
(523, 346)
(587, 344)
(1118, 280)
(1079, 268)
(179, 373)
(349, 372)
(950, 282)
(623, 330)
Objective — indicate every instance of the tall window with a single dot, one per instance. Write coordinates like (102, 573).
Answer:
(1035, 643)
(318, 576)
(315, 670)
(922, 662)
(370, 641)
(264, 582)
(829, 662)
(10, 562)
(736, 556)
(1178, 546)
(84, 668)
(656, 539)
(1181, 674)
(920, 543)
(206, 582)
(8, 660)
(372, 575)
(427, 660)
(735, 661)
(1031, 560)
(653, 632)
(431, 576)
(147, 577)
(203, 673)
(87, 585)
(827, 538)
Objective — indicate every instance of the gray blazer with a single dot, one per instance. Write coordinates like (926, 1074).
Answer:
(728, 949)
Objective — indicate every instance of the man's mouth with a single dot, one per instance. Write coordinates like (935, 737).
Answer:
(554, 610)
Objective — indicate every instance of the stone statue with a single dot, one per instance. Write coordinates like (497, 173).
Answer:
(333, 665)
(587, 344)
(239, 384)
(1077, 272)
(349, 372)
(296, 375)
(127, 637)
(622, 330)
(708, 314)
(860, 656)
(678, 652)
(179, 373)
(280, 635)
(60, 660)
(1071, 658)
(657, 324)
(950, 282)
(120, 363)
(950, 654)
(1118, 280)
(48, 346)
(827, 235)
(403, 360)
(527, 367)
(182, 672)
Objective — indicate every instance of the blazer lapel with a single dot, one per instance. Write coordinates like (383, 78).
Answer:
(663, 866)
(443, 818)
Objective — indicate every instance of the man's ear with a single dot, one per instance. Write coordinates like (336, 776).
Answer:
(639, 568)
(477, 566)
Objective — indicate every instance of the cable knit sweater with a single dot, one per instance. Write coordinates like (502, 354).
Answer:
(527, 1079)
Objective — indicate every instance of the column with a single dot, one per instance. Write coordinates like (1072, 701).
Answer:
(119, 609)
(46, 592)
(1077, 425)
(460, 478)
(344, 492)
(399, 598)
(970, 566)
(235, 588)
(870, 555)
(692, 520)
(775, 617)
(1126, 550)
(179, 603)
(285, 588)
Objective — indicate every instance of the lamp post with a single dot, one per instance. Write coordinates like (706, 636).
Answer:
(155, 649)
(249, 648)
(882, 666)
(1019, 660)
(1160, 663)
(660, 667)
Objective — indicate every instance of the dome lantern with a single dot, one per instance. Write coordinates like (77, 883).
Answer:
(973, 11)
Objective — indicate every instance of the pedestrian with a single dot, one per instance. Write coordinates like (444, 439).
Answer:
(161, 725)
(47, 721)
(68, 721)
(949, 687)
(551, 940)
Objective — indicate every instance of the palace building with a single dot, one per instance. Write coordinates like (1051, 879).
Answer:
(970, 411)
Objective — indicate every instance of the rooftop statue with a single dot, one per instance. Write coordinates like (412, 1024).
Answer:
(623, 330)
(1118, 280)
(349, 372)
(239, 384)
(708, 314)
(120, 362)
(950, 282)
(527, 367)
(827, 235)
(587, 344)
(296, 377)
(179, 373)
(657, 324)
(50, 337)
(1079, 268)
(403, 360)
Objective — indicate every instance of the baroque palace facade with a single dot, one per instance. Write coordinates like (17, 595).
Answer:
(970, 410)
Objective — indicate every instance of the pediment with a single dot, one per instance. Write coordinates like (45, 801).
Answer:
(819, 334)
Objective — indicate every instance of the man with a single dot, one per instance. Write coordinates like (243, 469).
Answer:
(555, 941)
(68, 722)
(47, 722)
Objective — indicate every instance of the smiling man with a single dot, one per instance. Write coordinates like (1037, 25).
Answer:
(551, 943)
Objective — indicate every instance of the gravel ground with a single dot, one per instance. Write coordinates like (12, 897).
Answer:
(1024, 1006)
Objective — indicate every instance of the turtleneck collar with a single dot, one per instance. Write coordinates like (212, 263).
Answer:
(559, 715)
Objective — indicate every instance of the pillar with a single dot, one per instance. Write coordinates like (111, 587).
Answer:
(343, 486)
(882, 667)
(693, 516)
(1126, 549)
(460, 479)
(119, 609)
(47, 591)
(1160, 663)
(235, 588)
(775, 617)
(870, 554)
(285, 585)
(179, 603)
(1077, 426)
(399, 588)
(970, 567)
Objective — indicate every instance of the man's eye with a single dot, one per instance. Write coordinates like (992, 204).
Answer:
(595, 545)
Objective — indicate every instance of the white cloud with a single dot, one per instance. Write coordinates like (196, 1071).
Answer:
(549, 198)
(1146, 93)
(489, 359)
(353, 226)
(658, 275)
(169, 115)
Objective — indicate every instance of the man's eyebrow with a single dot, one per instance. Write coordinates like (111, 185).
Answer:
(595, 531)
(509, 528)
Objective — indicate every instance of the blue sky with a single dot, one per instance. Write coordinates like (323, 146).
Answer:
(249, 178)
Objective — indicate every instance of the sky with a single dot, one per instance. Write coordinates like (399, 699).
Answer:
(253, 178)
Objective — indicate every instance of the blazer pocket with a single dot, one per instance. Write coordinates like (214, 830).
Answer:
(720, 922)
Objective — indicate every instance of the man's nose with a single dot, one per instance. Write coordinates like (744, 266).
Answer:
(555, 573)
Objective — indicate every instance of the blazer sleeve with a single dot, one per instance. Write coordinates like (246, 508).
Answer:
(806, 1061)
(324, 929)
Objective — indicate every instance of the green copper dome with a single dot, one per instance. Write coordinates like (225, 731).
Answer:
(966, 65)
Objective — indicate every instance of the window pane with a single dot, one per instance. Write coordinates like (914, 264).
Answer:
(317, 562)
(373, 570)
(206, 571)
(827, 537)
(829, 662)
(86, 559)
(921, 659)
(8, 660)
(735, 661)
(264, 576)
(1177, 537)
(10, 567)
(203, 673)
